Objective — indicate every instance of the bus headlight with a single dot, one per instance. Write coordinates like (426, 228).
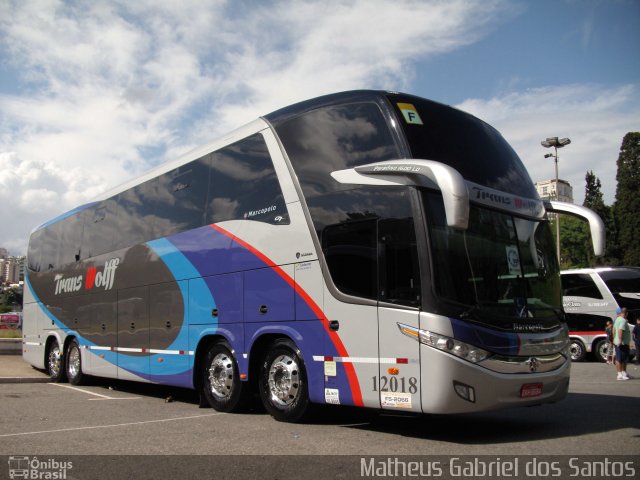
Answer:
(455, 347)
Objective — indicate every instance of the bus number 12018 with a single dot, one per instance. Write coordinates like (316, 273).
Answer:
(395, 384)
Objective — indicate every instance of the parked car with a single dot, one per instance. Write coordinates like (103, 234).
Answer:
(590, 298)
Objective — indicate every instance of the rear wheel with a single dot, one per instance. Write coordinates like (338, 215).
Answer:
(74, 364)
(55, 363)
(578, 352)
(283, 383)
(221, 384)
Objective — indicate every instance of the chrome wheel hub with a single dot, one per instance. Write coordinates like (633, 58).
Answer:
(55, 359)
(74, 362)
(221, 375)
(284, 380)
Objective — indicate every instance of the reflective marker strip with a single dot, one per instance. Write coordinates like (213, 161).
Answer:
(140, 350)
(401, 361)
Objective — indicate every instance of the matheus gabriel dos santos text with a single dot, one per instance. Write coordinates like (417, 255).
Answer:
(515, 467)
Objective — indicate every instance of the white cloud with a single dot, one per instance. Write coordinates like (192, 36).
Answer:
(104, 81)
(595, 118)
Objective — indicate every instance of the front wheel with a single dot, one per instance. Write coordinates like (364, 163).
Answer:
(578, 352)
(283, 383)
(221, 384)
(55, 362)
(74, 364)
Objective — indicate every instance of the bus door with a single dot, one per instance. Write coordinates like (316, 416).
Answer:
(398, 313)
(133, 333)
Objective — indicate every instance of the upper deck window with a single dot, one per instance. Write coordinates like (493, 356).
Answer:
(334, 138)
(462, 141)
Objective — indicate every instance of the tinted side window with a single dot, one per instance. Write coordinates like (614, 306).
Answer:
(100, 229)
(50, 242)
(368, 239)
(70, 229)
(135, 218)
(34, 253)
(182, 197)
(244, 184)
(334, 138)
(622, 281)
(579, 285)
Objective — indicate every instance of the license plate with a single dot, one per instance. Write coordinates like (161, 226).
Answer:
(531, 390)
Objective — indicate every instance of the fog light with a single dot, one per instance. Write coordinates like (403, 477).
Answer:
(465, 392)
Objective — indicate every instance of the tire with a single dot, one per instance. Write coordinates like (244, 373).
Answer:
(74, 364)
(601, 350)
(55, 362)
(283, 383)
(221, 385)
(578, 352)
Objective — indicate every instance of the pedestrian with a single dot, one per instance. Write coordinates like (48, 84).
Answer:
(608, 329)
(621, 339)
(636, 339)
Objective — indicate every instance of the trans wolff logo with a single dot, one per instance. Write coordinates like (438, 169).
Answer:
(102, 278)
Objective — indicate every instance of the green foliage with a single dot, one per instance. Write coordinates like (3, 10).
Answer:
(627, 206)
(9, 299)
(575, 243)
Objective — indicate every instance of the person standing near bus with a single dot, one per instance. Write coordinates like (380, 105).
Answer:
(621, 340)
(636, 339)
(610, 348)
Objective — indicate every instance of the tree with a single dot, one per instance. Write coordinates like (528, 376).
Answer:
(627, 206)
(576, 245)
(594, 200)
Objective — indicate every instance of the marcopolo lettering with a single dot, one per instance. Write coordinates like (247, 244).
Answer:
(94, 278)
(262, 211)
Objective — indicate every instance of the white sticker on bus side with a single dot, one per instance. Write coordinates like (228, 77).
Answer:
(330, 369)
(332, 396)
(395, 400)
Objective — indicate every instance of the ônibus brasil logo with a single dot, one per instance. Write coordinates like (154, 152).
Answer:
(94, 278)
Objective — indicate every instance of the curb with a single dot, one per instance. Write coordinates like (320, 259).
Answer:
(4, 380)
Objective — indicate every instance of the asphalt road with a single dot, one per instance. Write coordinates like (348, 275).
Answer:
(601, 416)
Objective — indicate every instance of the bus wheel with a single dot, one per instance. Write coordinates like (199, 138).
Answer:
(55, 364)
(602, 350)
(74, 363)
(578, 352)
(283, 383)
(221, 384)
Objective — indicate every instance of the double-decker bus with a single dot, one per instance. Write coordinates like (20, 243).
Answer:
(591, 297)
(364, 248)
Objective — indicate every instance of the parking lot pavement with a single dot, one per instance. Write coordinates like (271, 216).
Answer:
(115, 418)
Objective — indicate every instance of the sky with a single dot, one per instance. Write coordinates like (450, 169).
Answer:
(93, 94)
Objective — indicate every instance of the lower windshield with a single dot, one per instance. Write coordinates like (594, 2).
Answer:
(501, 271)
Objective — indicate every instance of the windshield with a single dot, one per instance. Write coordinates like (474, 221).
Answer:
(500, 271)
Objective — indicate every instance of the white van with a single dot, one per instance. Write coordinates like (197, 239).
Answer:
(590, 298)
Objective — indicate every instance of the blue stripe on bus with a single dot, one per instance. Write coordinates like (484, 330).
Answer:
(504, 343)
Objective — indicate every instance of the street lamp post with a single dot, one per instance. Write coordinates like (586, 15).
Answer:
(556, 143)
